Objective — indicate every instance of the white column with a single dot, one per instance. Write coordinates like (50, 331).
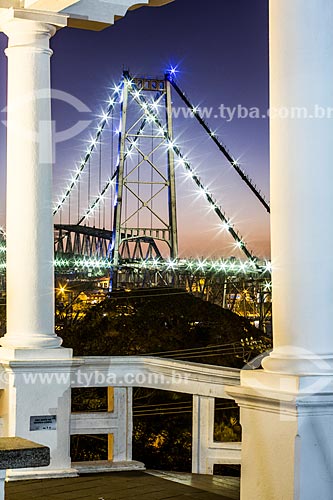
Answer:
(30, 283)
(287, 408)
(301, 76)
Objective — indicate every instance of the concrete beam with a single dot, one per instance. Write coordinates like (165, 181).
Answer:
(98, 14)
(49, 5)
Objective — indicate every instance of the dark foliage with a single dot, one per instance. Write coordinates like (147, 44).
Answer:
(132, 325)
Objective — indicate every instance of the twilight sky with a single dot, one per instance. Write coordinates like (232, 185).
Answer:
(221, 49)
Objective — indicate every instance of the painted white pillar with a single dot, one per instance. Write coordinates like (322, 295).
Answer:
(301, 159)
(30, 282)
(287, 408)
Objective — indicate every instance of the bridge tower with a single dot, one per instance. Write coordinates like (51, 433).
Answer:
(145, 216)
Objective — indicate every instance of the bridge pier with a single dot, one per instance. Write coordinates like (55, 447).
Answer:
(287, 408)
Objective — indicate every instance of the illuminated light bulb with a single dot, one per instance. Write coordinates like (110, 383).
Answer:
(137, 94)
(268, 266)
(171, 145)
(104, 116)
(226, 226)
(172, 71)
(239, 244)
(195, 110)
(267, 286)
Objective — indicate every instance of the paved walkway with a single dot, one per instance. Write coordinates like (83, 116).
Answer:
(220, 485)
(112, 486)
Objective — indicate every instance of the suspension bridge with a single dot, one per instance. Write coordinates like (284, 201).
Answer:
(117, 216)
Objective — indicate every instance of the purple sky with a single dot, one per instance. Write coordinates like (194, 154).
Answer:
(222, 53)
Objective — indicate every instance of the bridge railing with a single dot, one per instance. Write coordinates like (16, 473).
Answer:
(120, 374)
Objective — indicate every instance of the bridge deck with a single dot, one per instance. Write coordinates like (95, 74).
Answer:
(121, 486)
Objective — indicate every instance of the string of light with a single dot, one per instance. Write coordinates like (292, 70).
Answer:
(224, 267)
(233, 162)
(150, 111)
(115, 97)
(227, 224)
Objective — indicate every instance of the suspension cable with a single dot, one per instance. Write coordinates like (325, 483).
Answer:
(103, 122)
(135, 92)
(234, 163)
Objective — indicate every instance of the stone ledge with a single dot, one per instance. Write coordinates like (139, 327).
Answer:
(100, 466)
(18, 453)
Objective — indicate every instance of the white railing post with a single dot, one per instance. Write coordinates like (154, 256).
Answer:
(122, 442)
(202, 434)
(205, 451)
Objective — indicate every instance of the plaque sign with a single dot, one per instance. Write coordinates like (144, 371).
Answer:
(43, 423)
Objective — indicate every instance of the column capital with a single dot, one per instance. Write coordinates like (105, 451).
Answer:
(19, 24)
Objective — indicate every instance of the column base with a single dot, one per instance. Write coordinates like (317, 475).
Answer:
(36, 404)
(46, 341)
(298, 361)
(21, 354)
(287, 447)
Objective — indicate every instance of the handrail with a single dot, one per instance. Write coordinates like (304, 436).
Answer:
(154, 373)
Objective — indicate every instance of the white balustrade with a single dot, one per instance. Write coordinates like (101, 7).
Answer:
(122, 373)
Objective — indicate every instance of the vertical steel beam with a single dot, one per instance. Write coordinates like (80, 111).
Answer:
(171, 175)
(116, 238)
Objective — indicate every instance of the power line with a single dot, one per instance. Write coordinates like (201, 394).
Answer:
(179, 412)
(193, 348)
